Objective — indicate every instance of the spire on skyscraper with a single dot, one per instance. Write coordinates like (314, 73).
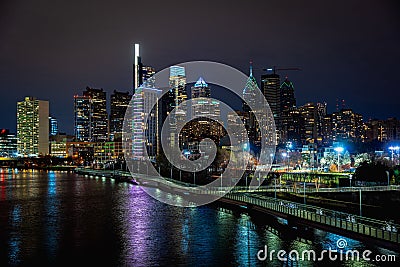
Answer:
(200, 83)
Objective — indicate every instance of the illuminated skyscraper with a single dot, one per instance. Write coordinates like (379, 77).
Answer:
(99, 117)
(270, 86)
(145, 128)
(287, 95)
(8, 144)
(147, 74)
(347, 125)
(202, 105)
(119, 103)
(83, 113)
(310, 116)
(91, 119)
(176, 96)
(141, 74)
(137, 67)
(33, 127)
(249, 95)
(206, 114)
(53, 126)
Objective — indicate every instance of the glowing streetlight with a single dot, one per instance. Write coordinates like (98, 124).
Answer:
(392, 149)
(289, 146)
(338, 150)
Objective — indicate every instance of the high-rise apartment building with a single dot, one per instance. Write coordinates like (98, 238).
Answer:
(347, 125)
(33, 127)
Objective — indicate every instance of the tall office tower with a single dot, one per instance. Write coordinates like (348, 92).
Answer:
(145, 131)
(288, 99)
(249, 96)
(83, 113)
(177, 82)
(206, 112)
(292, 126)
(33, 127)
(176, 96)
(8, 144)
(119, 104)
(137, 67)
(147, 73)
(270, 86)
(204, 107)
(53, 126)
(91, 119)
(309, 114)
(99, 117)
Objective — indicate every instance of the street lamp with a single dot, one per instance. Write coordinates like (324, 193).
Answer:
(288, 148)
(392, 149)
(284, 155)
(338, 150)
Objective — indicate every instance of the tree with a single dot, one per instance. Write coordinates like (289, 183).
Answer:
(371, 172)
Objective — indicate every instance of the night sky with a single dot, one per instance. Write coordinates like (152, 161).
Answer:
(346, 49)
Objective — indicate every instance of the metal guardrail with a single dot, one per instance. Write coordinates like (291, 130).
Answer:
(366, 226)
(315, 190)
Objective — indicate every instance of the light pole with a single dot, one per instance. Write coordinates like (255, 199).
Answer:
(288, 148)
(284, 155)
(350, 177)
(338, 150)
(392, 149)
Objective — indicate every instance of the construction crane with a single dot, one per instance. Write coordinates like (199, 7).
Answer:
(275, 68)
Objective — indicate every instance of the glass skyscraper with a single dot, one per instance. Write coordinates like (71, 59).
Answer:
(91, 119)
(119, 104)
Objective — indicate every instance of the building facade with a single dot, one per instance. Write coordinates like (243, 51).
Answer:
(145, 123)
(119, 104)
(8, 144)
(91, 119)
(33, 127)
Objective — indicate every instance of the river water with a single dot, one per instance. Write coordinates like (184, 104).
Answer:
(64, 219)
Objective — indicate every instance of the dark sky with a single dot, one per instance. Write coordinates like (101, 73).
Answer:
(346, 49)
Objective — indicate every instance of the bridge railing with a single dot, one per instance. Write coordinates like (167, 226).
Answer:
(314, 190)
(367, 226)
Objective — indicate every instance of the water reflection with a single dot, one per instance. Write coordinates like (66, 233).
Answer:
(15, 238)
(55, 218)
(51, 216)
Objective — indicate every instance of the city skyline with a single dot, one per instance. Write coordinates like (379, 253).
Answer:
(344, 53)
